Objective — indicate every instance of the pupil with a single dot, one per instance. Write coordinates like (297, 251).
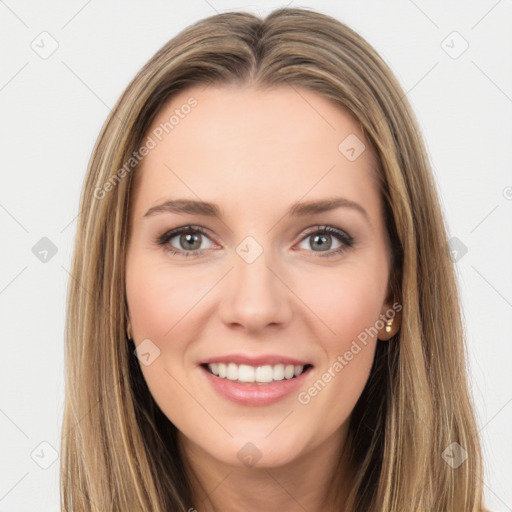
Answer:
(320, 237)
(188, 239)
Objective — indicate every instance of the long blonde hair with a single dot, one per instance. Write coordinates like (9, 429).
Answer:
(119, 452)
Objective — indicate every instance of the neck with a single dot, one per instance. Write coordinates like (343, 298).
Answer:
(317, 480)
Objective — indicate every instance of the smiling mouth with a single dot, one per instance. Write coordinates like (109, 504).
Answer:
(247, 374)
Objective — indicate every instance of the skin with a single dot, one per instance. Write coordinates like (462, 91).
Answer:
(256, 153)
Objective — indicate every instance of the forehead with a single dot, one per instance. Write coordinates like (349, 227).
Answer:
(254, 147)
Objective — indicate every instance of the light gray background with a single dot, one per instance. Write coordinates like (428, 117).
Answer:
(53, 108)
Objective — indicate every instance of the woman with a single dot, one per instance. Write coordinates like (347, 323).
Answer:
(222, 353)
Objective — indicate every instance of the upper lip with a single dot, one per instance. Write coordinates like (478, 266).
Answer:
(261, 360)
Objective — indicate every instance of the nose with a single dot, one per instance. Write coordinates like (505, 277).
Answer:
(255, 295)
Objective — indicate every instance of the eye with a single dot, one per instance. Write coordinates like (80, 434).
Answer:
(322, 240)
(188, 238)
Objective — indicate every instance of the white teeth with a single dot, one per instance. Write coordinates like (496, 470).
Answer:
(261, 374)
(245, 373)
(278, 372)
(288, 371)
(232, 372)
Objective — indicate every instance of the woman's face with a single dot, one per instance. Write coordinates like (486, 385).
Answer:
(260, 292)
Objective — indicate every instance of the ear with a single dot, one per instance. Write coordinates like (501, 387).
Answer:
(391, 316)
(129, 329)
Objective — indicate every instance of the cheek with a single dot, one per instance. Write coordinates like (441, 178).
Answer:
(157, 299)
(164, 305)
(158, 302)
(348, 303)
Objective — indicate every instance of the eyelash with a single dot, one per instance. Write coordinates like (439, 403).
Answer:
(342, 236)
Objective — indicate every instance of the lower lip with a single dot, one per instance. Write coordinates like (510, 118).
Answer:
(255, 394)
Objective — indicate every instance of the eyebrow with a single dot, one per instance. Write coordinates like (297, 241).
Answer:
(299, 209)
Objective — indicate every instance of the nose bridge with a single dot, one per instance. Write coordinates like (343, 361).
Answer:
(255, 296)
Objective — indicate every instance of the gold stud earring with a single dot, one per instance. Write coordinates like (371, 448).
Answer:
(388, 325)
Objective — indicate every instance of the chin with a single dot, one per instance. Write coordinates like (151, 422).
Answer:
(255, 451)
